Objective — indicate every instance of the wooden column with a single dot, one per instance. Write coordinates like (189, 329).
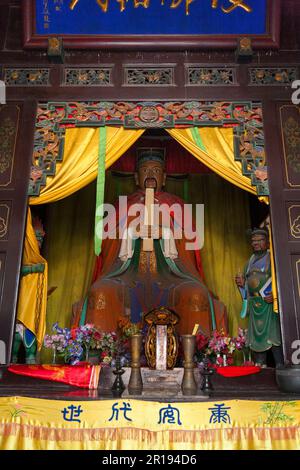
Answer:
(16, 147)
(282, 131)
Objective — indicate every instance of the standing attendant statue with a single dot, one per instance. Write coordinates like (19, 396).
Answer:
(255, 285)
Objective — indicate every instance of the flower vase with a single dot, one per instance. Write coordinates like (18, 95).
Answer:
(247, 356)
(54, 361)
(87, 353)
(94, 356)
(244, 357)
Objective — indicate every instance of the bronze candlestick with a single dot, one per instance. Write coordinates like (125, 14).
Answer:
(188, 386)
(118, 385)
(206, 373)
(135, 385)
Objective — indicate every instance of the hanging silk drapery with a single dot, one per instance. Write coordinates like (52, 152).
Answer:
(69, 249)
(81, 158)
(213, 146)
(84, 149)
(273, 272)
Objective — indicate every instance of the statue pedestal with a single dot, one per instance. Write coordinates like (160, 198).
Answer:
(157, 384)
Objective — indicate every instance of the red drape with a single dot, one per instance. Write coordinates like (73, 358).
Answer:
(178, 160)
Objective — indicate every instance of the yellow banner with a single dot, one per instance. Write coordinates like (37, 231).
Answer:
(31, 423)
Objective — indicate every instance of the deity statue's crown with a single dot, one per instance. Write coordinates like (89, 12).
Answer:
(145, 154)
(258, 231)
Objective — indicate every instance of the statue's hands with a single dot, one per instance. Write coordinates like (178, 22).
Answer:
(240, 280)
(269, 299)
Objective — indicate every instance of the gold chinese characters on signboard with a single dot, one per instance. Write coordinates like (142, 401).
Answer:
(230, 7)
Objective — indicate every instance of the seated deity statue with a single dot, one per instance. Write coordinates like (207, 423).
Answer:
(151, 260)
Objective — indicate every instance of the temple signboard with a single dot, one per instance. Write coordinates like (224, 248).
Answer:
(151, 23)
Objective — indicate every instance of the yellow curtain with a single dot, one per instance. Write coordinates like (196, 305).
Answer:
(69, 250)
(80, 163)
(79, 168)
(213, 146)
(273, 271)
(33, 287)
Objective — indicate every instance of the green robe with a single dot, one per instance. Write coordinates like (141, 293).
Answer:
(264, 325)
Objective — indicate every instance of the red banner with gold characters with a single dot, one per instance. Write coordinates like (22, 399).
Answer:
(80, 375)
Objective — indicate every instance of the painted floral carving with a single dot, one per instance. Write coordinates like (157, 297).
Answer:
(3, 227)
(291, 131)
(295, 228)
(54, 118)
(7, 139)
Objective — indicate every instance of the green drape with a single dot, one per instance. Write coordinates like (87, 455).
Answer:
(70, 240)
(100, 190)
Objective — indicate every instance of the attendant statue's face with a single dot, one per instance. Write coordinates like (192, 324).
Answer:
(259, 243)
(150, 174)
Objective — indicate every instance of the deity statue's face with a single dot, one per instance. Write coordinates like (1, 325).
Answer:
(150, 174)
(259, 243)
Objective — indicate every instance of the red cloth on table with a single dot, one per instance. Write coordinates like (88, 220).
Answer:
(237, 371)
(81, 375)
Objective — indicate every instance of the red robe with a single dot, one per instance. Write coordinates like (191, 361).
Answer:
(189, 297)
